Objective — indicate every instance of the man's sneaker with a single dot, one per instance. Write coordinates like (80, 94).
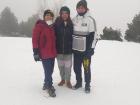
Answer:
(51, 92)
(61, 83)
(87, 88)
(77, 86)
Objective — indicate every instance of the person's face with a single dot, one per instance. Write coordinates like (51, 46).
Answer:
(64, 15)
(81, 9)
(48, 17)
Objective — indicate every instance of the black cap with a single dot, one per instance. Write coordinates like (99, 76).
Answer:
(82, 3)
(48, 12)
(66, 9)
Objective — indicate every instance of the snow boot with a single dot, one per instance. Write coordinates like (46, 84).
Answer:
(51, 92)
(61, 83)
(45, 88)
(87, 88)
(77, 85)
(69, 84)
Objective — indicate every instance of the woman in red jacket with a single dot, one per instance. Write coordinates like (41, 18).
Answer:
(44, 48)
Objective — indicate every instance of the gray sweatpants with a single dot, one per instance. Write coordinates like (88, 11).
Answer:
(64, 64)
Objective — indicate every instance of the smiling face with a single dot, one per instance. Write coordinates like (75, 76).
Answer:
(81, 9)
(64, 15)
(48, 17)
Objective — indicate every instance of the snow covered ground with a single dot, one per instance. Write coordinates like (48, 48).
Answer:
(115, 76)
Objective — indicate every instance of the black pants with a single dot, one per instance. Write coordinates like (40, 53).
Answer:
(48, 65)
(80, 60)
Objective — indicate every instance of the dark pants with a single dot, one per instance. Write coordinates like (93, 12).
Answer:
(80, 60)
(48, 65)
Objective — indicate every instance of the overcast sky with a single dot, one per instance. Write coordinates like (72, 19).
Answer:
(114, 13)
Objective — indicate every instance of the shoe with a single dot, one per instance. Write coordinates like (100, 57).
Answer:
(87, 88)
(61, 83)
(45, 88)
(77, 86)
(52, 87)
(69, 84)
(51, 92)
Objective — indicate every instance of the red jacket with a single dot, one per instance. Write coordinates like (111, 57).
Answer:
(44, 39)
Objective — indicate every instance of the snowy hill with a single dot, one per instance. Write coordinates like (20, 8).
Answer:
(115, 76)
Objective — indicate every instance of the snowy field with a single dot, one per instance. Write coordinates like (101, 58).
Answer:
(115, 76)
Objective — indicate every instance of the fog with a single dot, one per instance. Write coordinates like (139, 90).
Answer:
(114, 13)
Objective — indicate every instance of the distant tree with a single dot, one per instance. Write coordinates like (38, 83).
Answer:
(25, 28)
(8, 22)
(22, 28)
(133, 31)
(111, 34)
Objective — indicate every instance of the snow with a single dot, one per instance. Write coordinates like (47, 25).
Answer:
(115, 76)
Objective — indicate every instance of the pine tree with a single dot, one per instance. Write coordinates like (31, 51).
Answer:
(111, 34)
(8, 22)
(133, 31)
(25, 28)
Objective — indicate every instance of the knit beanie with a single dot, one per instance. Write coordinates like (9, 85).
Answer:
(48, 12)
(82, 3)
(66, 9)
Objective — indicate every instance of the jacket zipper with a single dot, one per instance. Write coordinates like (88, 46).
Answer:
(64, 38)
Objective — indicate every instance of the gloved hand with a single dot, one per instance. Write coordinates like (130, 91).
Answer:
(89, 52)
(36, 58)
(36, 54)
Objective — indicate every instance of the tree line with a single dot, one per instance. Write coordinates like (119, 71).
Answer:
(9, 26)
